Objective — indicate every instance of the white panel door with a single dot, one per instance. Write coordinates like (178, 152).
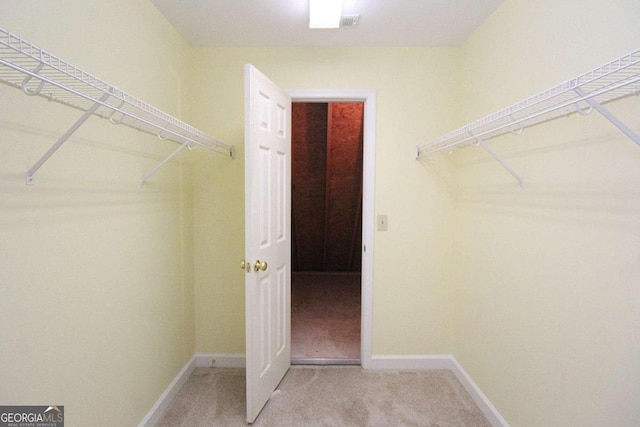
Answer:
(267, 234)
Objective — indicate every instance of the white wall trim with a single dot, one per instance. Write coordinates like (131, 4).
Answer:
(490, 412)
(220, 360)
(198, 360)
(441, 361)
(398, 362)
(161, 406)
(368, 96)
(419, 362)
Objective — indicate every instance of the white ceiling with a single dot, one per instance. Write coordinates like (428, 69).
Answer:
(251, 23)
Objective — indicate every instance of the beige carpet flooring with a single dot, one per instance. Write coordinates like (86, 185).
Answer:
(325, 316)
(328, 396)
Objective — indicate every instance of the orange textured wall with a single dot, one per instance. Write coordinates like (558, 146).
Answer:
(327, 186)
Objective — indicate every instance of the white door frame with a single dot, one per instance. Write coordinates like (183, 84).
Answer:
(368, 187)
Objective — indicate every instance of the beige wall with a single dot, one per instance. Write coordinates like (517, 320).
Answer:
(416, 98)
(549, 277)
(96, 274)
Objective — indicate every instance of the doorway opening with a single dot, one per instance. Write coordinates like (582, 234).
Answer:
(326, 222)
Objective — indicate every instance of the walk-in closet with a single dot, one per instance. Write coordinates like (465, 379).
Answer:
(220, 213)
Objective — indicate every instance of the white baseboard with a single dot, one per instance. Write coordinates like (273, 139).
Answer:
(485, 405)
(399, 362)
(438, 361)
(220, 360)
(198, 360)
(161, 406)
(443, 361)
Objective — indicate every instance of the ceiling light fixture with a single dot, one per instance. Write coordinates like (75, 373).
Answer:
(325, 13)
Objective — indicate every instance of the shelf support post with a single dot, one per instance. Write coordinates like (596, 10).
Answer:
(63, 139)
(607, 114)
(502, 163)
(164, 162)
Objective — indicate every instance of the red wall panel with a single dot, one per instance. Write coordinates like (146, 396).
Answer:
(327, 186)
(308, 170)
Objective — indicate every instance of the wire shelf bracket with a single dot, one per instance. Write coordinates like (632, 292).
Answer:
(613, 119)
(162, 163)
(29, 175)
(614, 80)
(38, 73)
(501, 162)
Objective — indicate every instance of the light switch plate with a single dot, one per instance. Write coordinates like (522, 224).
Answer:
(383, 222)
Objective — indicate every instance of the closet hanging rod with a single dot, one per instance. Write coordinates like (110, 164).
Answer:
(611, 81)
(37, 72)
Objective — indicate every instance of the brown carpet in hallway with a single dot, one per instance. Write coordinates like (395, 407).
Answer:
(325, 315)
(328, 396)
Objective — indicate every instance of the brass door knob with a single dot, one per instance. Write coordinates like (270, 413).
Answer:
(260, 266)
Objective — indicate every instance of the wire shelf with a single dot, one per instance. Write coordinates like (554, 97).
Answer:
(38, 72)
(614, 80)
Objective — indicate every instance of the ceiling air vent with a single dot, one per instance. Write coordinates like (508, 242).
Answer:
(349, 21)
